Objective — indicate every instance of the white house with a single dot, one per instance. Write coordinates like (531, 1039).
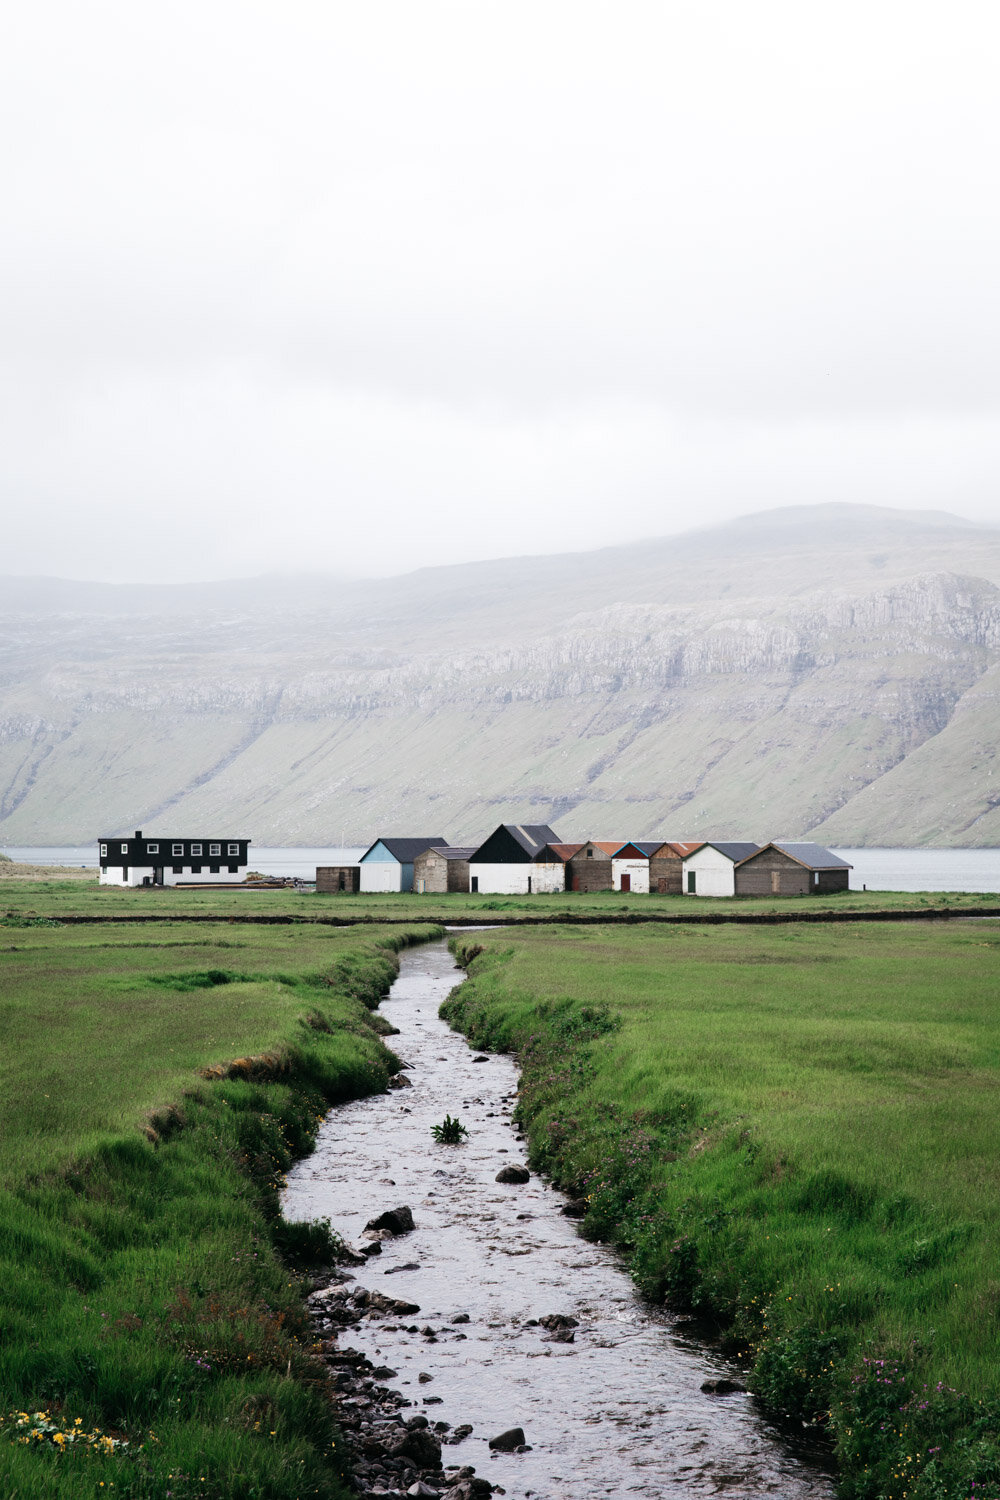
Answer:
(169, 861)
(711, 869)
(388, 864)
(505, 865)
(630, 866)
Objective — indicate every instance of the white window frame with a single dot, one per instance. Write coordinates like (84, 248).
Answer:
(104, 851)
(124, 848)
(234, 849)
(196, 851)
(152, 848)
(214, 850)
(178, 851)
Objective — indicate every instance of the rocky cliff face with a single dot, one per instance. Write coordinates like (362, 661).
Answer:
(752, 682)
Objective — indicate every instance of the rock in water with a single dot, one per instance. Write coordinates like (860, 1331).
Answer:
(513, 1174)
(396, 1220)
(507, 1441)
(721, 1387)
(552, 1321)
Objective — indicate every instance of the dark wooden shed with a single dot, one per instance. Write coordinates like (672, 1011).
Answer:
(344, 880)
(665, 868)
(589, 869)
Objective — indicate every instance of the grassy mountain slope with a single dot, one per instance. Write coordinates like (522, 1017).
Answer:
(829, 668)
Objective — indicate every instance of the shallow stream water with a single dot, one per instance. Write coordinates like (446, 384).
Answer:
(618, 1412)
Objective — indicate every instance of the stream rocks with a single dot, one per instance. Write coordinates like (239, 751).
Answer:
(513, 1175)
(395, 1220)
(390, 1453)
(509, 1441)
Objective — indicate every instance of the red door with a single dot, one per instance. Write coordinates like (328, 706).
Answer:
(626, 882)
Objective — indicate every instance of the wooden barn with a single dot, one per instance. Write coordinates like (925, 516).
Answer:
(589, 869)
(388, 864)
(338, 879)
(630, 866)
(792, 870)
(506, 863)
(666, 866)
(711, 869)
(438, 872)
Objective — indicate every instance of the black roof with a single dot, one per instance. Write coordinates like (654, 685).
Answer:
(532, 836)
(406, 850)
(734, 851)
(648, 847)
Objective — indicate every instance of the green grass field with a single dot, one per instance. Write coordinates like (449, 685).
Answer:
(154, 1087)
(78, 893)
(794, 1131)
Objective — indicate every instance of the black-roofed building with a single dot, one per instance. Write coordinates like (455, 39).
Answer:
(171, 861)
(438, 872)
(388, 864)
(792, 869)
(711, 869)
(508, 863)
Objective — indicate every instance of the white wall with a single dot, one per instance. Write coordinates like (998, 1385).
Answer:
(138, 873)
(548, 879)
(638, 869)
(715, 874)
(381, 875)
(502, 880)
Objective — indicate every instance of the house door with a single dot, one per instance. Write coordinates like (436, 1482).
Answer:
(529, 885)
(473, 885)
(692, 877)
(775, 882)
(626, 882)
(576, 882)
(661, 886)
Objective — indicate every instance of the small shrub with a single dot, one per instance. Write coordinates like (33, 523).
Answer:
(450, 1132)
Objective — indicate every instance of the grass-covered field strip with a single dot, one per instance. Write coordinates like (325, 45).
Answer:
(154, 1087)
(794, 1131)
(56, 897)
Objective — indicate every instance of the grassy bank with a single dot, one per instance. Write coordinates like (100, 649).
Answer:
(153, 1090)
(792, 1131)
(56, 897)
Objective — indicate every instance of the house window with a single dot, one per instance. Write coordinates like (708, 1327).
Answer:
(590, 853)
(196, 869)
(214, 849)
(178, 869)
(177, 849)
(213, 869)
(234, 869)
(124, 848)
(152, 848)
(104, 851)
(195, 849)
(232, 849)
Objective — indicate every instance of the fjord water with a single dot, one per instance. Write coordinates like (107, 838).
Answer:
(879, 869)
(620, 1411)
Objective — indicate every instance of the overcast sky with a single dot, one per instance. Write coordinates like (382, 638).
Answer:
(357, 287)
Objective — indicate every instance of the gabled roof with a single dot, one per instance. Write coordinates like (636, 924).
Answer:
(552, 853)
(528, 838)
(683, 847)
(812, 856)
(406, 850)
(643, 848)
(737, 852)
(450, 851)
(606, 846)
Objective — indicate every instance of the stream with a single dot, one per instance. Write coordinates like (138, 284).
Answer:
(618, 1411)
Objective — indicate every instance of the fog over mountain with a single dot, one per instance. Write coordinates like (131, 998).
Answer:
(831, 671)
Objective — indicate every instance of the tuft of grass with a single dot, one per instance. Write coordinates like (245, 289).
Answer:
(792, 1131)
(450, 1132)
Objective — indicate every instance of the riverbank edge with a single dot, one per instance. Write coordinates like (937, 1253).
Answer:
(491, 918)
(97, 1351)
(894, 1436)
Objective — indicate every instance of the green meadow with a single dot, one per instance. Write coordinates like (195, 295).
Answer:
(155, 1085)
(793, 1134)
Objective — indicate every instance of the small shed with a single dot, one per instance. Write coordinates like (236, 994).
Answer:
(711, 869)
(551, 875)
(504, 864)
(797, 869)
(589, 869)
(388, 864)
(438, 872)
(338, 879)
(630, 866)
(665, 866)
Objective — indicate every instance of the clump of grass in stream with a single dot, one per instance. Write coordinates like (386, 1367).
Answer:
(790, 1132)
(150, 1291)
(450, 1132)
